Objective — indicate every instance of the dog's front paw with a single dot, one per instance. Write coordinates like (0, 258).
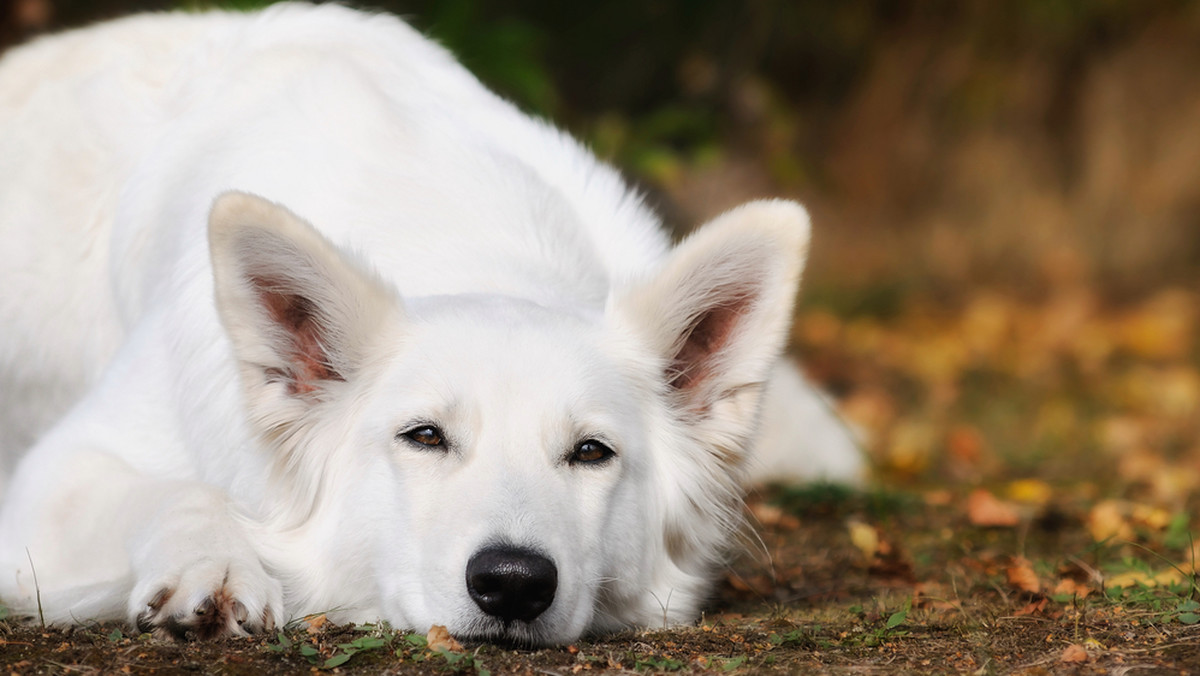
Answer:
(208, 598)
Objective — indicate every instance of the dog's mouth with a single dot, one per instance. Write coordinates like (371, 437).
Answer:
(508, 634)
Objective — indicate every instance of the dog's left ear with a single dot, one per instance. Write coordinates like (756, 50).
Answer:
(719, 311)
(301, 313)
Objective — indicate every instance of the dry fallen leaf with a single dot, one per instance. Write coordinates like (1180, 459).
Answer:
(1030, 492)
(1107, 520)
(314, 623)
(773, 515)
(938, 497)
(985, 509)
(965, 444)
(439, 639)
(1033, 608)
(1021, 576)
(1070, 587)
(1154, 518)
(865, 537)
(1133, 578)
(1074, 653)
(910, 446)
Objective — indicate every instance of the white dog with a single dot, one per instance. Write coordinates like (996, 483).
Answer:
(295, 316)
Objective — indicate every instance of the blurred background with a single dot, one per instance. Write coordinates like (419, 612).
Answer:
(1006, 199)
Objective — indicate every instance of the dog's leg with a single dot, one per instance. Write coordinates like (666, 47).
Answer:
(801, 437)
(195, 571)
(109, 514)
(84, 536)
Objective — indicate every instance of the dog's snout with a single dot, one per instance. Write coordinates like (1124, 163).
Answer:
(511, 583)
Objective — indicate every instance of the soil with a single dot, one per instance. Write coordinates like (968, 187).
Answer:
(936, 595)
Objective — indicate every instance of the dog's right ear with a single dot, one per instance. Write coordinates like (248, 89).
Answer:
(302, 315)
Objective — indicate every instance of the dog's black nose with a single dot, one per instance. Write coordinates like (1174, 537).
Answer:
(511, 583)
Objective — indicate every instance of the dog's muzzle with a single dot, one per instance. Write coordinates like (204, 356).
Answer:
(511, 583)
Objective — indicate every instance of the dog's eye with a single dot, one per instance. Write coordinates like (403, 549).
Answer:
(426, 435)
(590, 452)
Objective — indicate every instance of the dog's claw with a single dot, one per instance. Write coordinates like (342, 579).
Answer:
(160, 599)
(144, 623)
(240, 613)
(219, 614)
(206, 606)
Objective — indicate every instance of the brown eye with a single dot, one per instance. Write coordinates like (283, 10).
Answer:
(426, 435)
(590, 452)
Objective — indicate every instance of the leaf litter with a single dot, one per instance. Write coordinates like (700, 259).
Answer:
(1033, 512)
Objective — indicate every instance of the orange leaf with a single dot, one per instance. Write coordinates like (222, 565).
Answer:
(1072, 588)
(1074, 653)
(439, 639)
(1021, 576)
(314, 623)
(1033, 608)
(772, 515)
(985, 509)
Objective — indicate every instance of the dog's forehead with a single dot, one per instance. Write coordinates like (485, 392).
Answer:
(491, 341)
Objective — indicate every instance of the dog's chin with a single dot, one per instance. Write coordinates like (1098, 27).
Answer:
(515, 634)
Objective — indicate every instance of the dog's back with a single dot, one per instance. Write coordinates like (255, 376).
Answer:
(353, 120)
(71, 126)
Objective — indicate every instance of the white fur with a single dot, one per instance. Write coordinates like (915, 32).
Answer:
(244, 254)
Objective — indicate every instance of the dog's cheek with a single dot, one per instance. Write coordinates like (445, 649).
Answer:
(627, 544)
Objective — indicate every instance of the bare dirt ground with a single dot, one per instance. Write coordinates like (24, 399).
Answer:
(866, 582)
(1002, 297)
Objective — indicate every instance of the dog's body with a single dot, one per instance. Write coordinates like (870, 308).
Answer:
(482, 392)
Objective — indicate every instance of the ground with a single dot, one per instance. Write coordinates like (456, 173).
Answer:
(1030, 512)
(1001, 297)
(925, 592)
(1031, 509)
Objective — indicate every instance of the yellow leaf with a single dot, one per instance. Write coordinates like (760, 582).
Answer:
(911, 445)
(1154, 518)
(865, 537)
(987, 323)
(1129, 579)
(1168, 577)
(1165, 577)
(1162, 327)
(1030, 492)
(1107, 521)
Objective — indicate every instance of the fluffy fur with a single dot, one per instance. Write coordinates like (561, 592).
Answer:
(298, 317)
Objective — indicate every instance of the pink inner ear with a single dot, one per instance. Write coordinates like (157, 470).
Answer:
(307, 359)
(709, 333)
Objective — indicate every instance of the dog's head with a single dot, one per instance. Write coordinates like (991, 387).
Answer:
(509, 470)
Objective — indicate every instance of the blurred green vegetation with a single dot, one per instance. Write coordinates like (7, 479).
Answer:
(938, 142)
(666, 76)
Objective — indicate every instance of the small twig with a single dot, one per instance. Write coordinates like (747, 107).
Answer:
(37, 589)
(1157, 648)
(1191, 576)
